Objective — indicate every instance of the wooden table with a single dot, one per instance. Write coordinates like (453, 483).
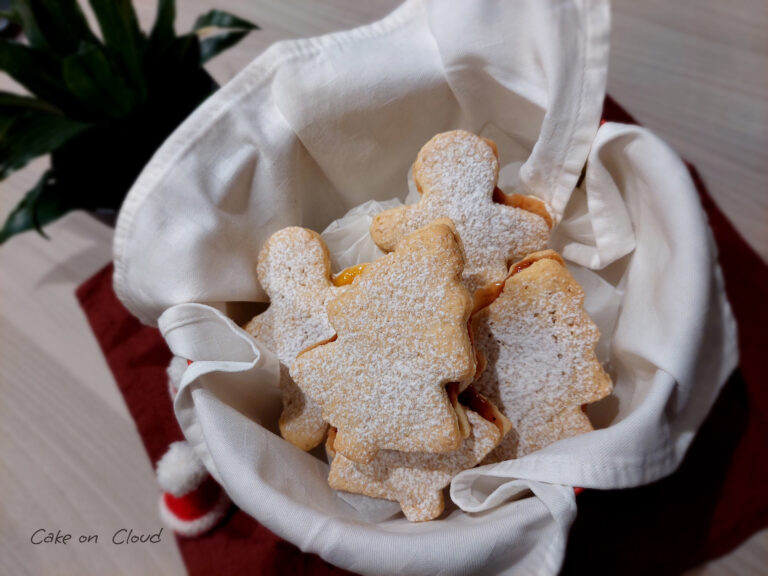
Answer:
(695, 71)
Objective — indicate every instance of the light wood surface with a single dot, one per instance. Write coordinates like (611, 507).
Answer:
(695, 71)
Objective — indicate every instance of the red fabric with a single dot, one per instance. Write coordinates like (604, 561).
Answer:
(194, 504)
(138, 357)
(715, 500)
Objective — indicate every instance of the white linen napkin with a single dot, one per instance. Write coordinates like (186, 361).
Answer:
(314, 127)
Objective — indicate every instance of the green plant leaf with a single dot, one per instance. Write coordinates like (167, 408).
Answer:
(123, 38)
(40, 206)
(23, 11)
(185, 52)
(10, 102)
(54, 26)
(214, 45)
(30, 128)
(220, 19)
(91, 78)
(11, 16)
(103, 108)
(163, 32)
(36, 71)
(221, 30)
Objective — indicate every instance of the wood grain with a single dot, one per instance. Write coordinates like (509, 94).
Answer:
(694, 71)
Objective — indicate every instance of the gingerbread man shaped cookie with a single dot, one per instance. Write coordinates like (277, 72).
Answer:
(294, 269)
(456, 173)
(539, 347)
(402, 336)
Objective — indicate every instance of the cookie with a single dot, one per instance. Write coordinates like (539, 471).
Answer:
(414, 479)
(402, 329)
(456, 173)
(294, 269)
(539, 349)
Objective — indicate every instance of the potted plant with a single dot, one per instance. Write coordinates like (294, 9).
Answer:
(100, 106)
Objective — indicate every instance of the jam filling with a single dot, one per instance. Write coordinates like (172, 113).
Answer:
(485, 296)
(477, 403)
(348, 275)
(524, 203)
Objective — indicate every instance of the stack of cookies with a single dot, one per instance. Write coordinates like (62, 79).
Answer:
(467, 343)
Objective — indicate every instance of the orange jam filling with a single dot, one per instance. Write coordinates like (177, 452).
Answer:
(524, 203)
(477, 403)
(520, 266)
(348, 276)
(485, 296)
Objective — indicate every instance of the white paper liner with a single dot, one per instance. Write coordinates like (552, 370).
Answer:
(347, 238)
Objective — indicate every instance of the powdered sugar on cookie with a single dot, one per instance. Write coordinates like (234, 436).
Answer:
(539, 345)
(294, 269)
(415, 479)
(456, 173)
(402, 336)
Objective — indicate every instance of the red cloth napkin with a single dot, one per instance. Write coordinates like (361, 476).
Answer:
(715, 500)
(138, 357)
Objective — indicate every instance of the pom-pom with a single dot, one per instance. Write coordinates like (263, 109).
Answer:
(180, 471)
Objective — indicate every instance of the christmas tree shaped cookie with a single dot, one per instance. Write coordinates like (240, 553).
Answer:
(539, 348)
(402, 336)
(414, 479)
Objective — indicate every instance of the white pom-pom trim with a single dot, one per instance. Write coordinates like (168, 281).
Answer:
(180, 471)
(175, 371)
(192, 528)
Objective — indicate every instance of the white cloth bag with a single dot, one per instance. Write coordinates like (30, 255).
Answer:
(314, 127)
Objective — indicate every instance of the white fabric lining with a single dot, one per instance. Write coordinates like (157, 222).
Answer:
(294, 140)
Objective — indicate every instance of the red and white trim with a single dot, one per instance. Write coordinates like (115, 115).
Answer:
(197, 512)
(192, 502)
(180, 471)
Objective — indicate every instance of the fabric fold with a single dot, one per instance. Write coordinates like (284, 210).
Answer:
(673, 347)
(314, 127)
